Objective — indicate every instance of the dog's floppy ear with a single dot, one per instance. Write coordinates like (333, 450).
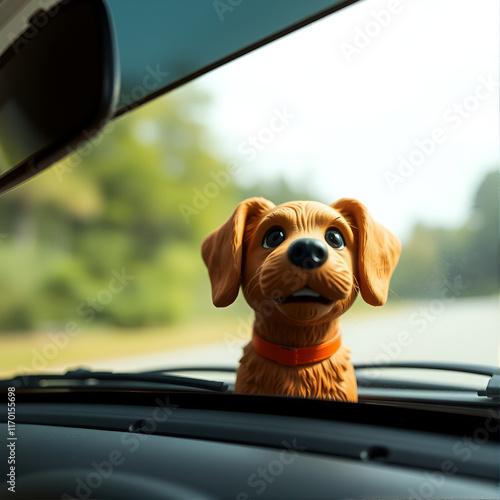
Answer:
(378, 251)
(222, 251)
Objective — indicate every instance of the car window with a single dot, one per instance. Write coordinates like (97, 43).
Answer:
(386, 102)
(169, 43)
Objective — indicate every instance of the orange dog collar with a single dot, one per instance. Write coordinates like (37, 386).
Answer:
(293, 356)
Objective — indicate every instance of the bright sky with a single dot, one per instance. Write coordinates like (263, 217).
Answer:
(339, 106)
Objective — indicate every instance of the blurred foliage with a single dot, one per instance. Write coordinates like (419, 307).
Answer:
(136, 202)
(111, 208)
(468, 256)
(112, 234)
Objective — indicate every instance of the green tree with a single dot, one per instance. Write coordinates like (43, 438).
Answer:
(114, 205)
(480, 239)
(469, 253)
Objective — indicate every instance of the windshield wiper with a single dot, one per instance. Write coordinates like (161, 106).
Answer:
(492, 389)
(88, 378)
(220, 369)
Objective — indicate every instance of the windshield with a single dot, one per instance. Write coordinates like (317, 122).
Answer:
(394, 104)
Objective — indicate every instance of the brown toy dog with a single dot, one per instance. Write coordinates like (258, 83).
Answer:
(300, 265)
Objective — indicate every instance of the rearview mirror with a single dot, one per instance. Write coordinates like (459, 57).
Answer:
(70, 52)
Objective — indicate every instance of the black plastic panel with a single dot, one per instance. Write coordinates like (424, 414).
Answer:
(219, 445)
(79, 463)
(58, 87)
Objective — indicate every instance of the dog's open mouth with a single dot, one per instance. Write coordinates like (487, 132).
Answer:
(304, 295)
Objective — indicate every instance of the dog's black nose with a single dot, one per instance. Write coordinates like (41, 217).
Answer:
(307, 253)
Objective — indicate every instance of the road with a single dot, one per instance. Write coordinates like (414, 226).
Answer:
(465, 330)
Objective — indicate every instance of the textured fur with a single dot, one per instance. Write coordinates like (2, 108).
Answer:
(332, 378)
(235, 255)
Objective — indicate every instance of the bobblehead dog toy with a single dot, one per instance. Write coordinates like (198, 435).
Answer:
(300, 266)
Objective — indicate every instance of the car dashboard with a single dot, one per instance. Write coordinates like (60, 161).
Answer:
(87, 443)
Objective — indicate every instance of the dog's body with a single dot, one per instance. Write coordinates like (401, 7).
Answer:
(332, 378)
(300, 266)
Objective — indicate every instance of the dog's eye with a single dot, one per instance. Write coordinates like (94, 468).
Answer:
(274, 237)
(334, 239)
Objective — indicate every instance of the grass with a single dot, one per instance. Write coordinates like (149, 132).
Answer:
(44, 352)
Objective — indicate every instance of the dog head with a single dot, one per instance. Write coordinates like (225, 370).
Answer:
(301, 261)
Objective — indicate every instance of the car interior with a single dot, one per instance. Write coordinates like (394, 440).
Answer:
(129, 131)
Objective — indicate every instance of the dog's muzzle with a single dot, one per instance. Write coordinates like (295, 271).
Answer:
(307, 253)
